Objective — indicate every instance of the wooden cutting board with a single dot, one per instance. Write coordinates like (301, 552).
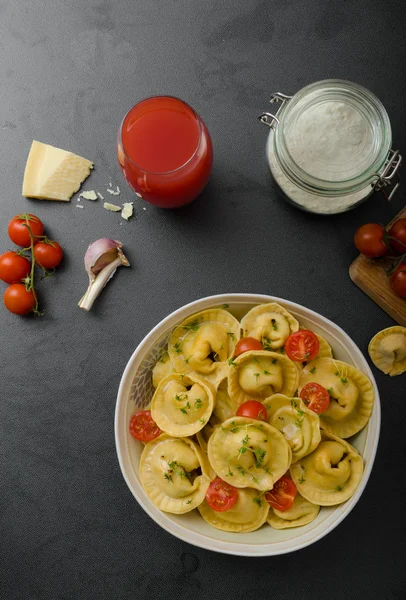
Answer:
(369, 275)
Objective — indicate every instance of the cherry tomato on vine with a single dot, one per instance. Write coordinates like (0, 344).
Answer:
(220, 495)
(18, 301)
(282, 495)
(369, 240)
(18, 231)
(48, 254)
(143, 426)
(246, 344)
(13, 267)
(316, 397)
(398, 280)
(252, 409)
(398, 231)
(302, 345)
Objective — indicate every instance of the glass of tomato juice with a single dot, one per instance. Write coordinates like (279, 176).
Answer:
(165, 151)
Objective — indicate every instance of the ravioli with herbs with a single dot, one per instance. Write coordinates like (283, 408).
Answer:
(247, 420)
(351, 395)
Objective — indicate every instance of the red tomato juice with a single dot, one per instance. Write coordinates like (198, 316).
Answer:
(165, 151)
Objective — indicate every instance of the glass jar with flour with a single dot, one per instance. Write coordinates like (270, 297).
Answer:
(329, 146)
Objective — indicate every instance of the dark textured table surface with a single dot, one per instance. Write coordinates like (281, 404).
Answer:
(69, 527)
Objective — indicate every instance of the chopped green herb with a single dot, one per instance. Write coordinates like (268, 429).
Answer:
(226, 305)
(306, 356)
(203, 421)
(168, 475)
(331, 392)
(281, 418)
(338, 488)
(259, 457)
(231, 334)
(299, 422)
(230, 473)
(275, 360)
(256, 375)
(164, 357)
(274, 325)
(257, 501)
(255, 479)
(293, 403)
(198, 403)
(267, 373)
(189, 501)
(312, 371)
(184, 408)
(344, 380)
(255, 360)
(302, 479)
(193, 326)
(231, 362)
(243, 448)
(266, 342)
(241, 470)
(177, 347)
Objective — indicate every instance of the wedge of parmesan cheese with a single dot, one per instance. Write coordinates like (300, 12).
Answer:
(53, 174)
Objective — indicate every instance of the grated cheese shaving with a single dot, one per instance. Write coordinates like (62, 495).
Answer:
(112, 207)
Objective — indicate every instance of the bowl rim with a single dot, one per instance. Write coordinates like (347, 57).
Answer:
(198, 539)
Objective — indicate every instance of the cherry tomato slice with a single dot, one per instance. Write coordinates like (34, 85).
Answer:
(282, 495)
(302, 345)
(252, 409)
(220, 495)
(48, 254)
(143, 427)
(18, 231)
(398, 232)
(368, 240)
(246, 344)
(17, 300)
(316, 397)
(398, 280)
(13, 267)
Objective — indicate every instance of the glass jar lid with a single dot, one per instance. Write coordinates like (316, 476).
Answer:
(333, 137)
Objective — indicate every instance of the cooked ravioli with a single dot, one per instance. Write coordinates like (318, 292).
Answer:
(387, 350)
(259, 374)
(224, 407)
(249, 453)
(182, 404)
(299, 425)
(271, 324)
(248, 513)
(174, 474)
(351, 395)
(162, 368)
(300, 513)
(203, 341)
(204, 434)
(329, 475)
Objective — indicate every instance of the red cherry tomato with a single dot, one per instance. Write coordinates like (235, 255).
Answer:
(17, 300)
(282, 495)
(246, 344)
(143, 426)
(48, 254)
(18, 231)
(369, 240)
(302, 345)
(252, 409)
(13, 267)
(398, 280)
(398, 231)
(220, 495)
(316, 397)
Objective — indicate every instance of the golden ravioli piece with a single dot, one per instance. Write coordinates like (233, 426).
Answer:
(387, 350)
(182, 404)
(270, 323)
(329, 475)
(162, 368)
(249, 453)
(174, 474)
(299, 425)
(302, 512)
(351, 395)
(203, 342)
(224, 406)
(259, 374)
(248, 513)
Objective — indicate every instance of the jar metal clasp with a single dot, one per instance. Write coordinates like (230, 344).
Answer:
(269, 119)
(391, 168)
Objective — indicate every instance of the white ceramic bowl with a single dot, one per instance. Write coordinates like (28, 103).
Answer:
(136, 390)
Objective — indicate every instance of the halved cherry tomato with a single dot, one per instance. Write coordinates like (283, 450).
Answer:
(282, 495)
(17, 300)
(252, 409)
(13, 267)
(302, 345)
(143, 426)
(398, 231)
(246, 344)
(48, 254)
(18, 230)
(316, 397)
(220, 495)
(398, 280)
(368, 240)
